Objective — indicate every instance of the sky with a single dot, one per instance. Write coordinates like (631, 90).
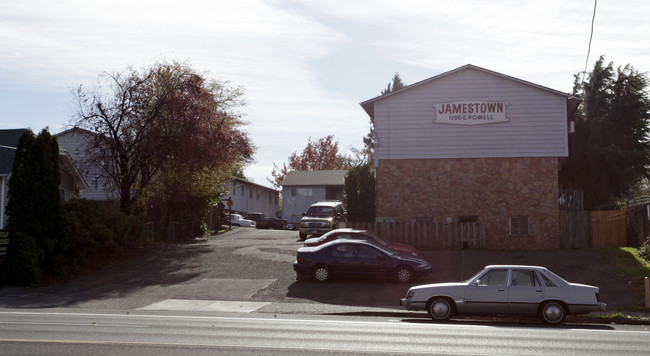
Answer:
(304, 65)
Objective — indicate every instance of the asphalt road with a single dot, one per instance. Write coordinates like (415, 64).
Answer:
(61, 333)
(251, 270)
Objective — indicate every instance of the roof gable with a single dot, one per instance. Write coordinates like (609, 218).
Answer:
(8, 143)
(315, 178)
(369, 105)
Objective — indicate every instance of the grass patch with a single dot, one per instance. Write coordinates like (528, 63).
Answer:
(631, 267)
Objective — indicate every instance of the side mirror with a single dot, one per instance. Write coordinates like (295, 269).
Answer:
(304, 214)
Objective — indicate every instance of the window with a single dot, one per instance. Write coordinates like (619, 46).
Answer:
(343, 251)
(547, 281)
(496, 277)
(305, 192)
(367, 252)
(518, 225)
(524, 278)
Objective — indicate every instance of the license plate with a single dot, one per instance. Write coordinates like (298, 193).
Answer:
(314, 231)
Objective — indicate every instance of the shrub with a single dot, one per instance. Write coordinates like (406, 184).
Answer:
(644, 250)
(94, 227)
(24, 258)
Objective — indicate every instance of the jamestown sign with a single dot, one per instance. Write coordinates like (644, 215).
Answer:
(470, 113)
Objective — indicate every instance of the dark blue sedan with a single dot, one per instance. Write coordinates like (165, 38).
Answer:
(357, 258)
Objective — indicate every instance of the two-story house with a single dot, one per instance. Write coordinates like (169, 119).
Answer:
(473, 145)
(300, 189)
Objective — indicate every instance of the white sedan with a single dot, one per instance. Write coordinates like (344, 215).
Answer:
(238, 220)
(501, 289)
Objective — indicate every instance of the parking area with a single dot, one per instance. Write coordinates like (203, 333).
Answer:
(255, 266)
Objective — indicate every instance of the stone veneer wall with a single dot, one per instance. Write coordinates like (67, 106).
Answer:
(493, 189)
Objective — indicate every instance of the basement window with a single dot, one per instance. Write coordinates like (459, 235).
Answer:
(518, 225)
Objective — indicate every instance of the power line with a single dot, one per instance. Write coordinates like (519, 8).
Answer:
(591, 36)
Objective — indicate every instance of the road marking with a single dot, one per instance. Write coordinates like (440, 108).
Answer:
(206, 305)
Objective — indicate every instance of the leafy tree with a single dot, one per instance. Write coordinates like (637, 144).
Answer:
(360, 192)
(163, 125)
(317, 156)
(610, 149)
(35, 219)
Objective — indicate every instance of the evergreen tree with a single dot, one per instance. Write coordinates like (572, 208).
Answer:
(609, 153)
(34, 206)
(360, 193)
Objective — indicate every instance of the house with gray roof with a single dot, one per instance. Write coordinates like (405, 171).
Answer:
(300, 189)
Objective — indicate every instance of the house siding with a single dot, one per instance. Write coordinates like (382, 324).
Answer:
(76, 144)
(294, 206)
(537, 127)
(248, 197)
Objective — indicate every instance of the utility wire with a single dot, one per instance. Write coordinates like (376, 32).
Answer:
(591, 36)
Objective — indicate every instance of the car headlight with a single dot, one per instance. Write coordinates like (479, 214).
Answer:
(410, 294)
(421, 266)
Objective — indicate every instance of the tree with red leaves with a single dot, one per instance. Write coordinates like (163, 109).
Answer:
(162, 133)
(317, 156)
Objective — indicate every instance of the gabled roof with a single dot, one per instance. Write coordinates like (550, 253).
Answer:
(8, 143)
(369, 105)
(244, 181)
(77, 130)
(315, 178)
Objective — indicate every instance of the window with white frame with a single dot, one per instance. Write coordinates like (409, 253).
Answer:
(519, 225)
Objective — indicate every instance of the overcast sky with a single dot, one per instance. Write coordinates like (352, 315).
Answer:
(305, 65)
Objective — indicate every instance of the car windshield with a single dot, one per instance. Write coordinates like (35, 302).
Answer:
(386, 250)
(320, 211)
(378, 240)
(325, 237)
(474, 276)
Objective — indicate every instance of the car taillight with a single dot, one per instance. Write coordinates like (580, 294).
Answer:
(598, 297)
(300, 260)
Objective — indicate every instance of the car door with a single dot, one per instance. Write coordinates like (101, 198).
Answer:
(525, 291)
(343, 259)
(488, 293)
(371, 261)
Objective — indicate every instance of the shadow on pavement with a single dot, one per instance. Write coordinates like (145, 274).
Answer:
(151, 266)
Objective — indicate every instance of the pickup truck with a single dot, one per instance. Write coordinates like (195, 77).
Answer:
(266, 222)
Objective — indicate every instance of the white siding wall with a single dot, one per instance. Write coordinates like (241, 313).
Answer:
(75, 144)
(250, 198)
(294, 206)
(537, 127)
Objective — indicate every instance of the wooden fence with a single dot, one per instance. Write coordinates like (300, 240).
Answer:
(609, 228)
(428, 236)
(597, 229)
(578, 229)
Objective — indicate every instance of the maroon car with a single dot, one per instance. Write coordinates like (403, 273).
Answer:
(361, 235)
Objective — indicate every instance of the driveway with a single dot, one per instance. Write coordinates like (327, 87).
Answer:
(248, 269)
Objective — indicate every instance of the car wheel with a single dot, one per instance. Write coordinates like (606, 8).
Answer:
(322, 274)
(552, 312)
(403, 274)
(303, 236)
(440, 309)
